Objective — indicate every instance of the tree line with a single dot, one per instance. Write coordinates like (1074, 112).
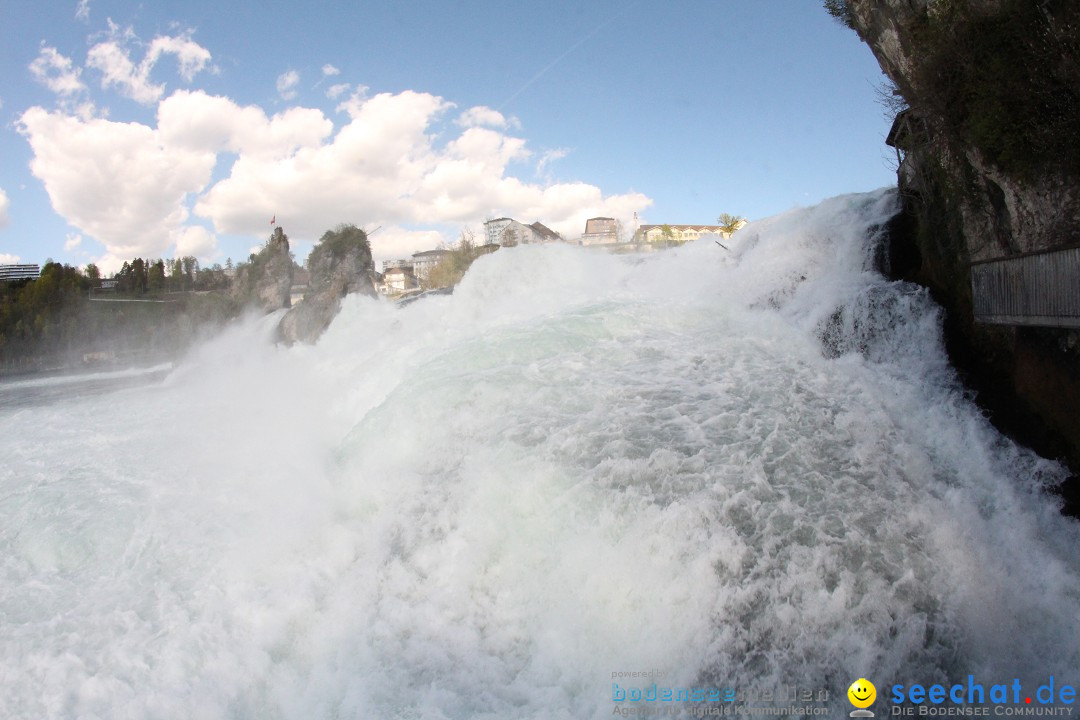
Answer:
(50, 320)
(183, 274)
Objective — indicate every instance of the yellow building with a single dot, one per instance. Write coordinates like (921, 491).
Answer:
(677, 234)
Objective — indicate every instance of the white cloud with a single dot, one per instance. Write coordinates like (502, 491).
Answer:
(209, 123)
(116, 182)
(82, 10)
(335, 91)
(4, 205)
(192, 57)
(391, 243)
(9, 259)
(482, 116)
(286, 84)
(549, 157)
(129, 185)
(56, 72)
(329, 69)
(352, 105)
(196, 241)
(72, 241)
(113, 59)
(383, 167)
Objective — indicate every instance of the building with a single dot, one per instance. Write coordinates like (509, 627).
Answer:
(388, 264)
(397, 280)
(19, 272)
(676, 234)
(424, 262)
(542, 233)
(509, 232)
(601, 231)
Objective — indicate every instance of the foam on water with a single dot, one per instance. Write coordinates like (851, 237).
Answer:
(749, 468)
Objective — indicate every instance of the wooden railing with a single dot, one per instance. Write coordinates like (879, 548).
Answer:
(1040, 288)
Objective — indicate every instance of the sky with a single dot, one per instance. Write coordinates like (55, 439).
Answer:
(162, 129)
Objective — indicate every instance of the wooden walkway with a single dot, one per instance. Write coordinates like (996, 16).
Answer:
(1031, 289)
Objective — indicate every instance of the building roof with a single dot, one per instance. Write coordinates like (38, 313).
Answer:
(544, 231)
(600, 226)
(430, 253)
(399, 271)
(907, 131)
(698, 228)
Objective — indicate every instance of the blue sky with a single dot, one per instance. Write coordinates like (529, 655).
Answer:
(164, 128)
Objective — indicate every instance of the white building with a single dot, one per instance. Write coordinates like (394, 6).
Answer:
(399, 279)
(677, 234)
(509, 232)
(424, 262)
(19, 272)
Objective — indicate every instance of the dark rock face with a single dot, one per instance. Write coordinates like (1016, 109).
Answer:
(267, 280)
(990, 169)
(340, 264)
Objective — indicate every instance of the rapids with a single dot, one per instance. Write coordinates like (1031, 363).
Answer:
(746, 469)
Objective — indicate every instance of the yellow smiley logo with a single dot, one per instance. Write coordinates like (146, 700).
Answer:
(862, 693)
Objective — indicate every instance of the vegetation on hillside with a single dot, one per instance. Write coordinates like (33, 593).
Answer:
(453, 266)
(51, 321)
(342, 240)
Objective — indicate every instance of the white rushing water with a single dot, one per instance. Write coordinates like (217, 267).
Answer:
(747, 469)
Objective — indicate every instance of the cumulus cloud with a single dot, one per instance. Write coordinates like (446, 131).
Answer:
(82, 10)
(351, 106)
(4, 205)
(197, 121)
(56, 72)
(482, 116)
(286, 84)
(329, 69)
(196, 241)
(9, 259)
(72, 241)
(394, 242)
(112, 58)
(116, 182)
(384, 166)
(390, 163)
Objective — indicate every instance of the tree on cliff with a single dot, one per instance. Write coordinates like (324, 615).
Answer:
(339, 264)
(840, 10)
(266, 280)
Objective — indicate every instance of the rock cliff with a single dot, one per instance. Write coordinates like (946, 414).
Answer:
(339, 264)
(266, 281)
(990, 168)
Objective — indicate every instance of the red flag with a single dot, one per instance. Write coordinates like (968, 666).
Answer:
(273, 219)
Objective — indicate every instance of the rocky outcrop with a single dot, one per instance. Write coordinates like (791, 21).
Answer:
(990, 168)
(266, 281)
(340, 264)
